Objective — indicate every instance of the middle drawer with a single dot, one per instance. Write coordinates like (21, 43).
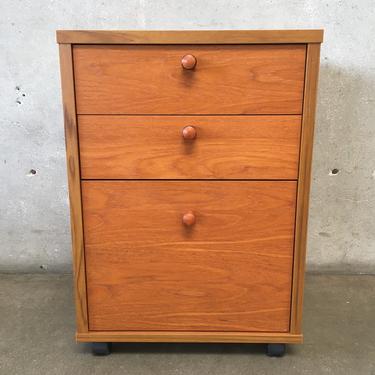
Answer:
(189, 147)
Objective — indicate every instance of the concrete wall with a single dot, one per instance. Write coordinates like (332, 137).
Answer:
(34, 222)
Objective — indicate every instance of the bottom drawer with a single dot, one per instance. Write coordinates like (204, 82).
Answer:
(229, 270)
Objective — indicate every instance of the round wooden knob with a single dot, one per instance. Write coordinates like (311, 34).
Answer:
(188, 219)
(188, 62)
(189, 132)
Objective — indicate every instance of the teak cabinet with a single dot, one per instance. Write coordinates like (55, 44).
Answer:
(189, 157)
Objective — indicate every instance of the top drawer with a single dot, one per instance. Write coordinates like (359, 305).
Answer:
(227, 79)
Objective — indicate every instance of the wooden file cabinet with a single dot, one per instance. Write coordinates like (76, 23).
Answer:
(189, 157)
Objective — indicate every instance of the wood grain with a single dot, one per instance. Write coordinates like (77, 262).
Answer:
(67, 86)
(153, 147)
(152, 279)
(311, 84)
(231, 271)
(255, 79)
(189, 36)
(228, 337)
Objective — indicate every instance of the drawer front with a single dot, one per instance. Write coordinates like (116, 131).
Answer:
(223, 147)
(229, 271)
(256, 79)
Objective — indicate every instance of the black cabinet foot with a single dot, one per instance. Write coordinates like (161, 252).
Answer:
(275, 350)
(101, 348)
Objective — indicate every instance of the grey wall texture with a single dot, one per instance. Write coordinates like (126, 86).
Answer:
(34, 215)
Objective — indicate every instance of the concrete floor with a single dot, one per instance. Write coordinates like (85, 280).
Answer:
(37, 335)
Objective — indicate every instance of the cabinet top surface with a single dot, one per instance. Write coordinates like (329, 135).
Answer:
(188, 36)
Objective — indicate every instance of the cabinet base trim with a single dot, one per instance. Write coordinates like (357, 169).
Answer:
(222, 337)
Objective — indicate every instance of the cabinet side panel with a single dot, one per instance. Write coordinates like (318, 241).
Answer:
(71, 140)
(308, 119)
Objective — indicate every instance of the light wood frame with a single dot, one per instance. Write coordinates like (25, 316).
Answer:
(312, 38)
(74, 183)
